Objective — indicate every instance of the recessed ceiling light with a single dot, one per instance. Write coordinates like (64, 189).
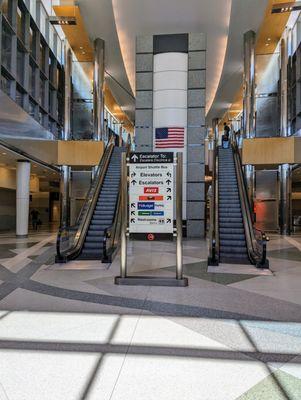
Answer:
(81, 47)
(269, 39)
(4, 154)
(83, 52)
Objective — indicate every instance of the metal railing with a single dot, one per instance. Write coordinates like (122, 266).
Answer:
(70, 239)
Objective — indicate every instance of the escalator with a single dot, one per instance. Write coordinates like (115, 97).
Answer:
(104, 211)
(95, 235)
(233, 237)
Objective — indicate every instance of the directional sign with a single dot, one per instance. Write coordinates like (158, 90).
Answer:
(151, 192)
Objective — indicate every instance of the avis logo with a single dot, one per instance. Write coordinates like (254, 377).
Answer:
(151, 190)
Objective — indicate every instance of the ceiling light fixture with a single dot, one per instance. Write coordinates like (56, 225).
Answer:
(286, 7)
(59, 20)
(4, 154)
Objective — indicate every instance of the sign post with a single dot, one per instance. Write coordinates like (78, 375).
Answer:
(149, 213)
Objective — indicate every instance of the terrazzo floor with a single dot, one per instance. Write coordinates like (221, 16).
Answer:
(68, 332)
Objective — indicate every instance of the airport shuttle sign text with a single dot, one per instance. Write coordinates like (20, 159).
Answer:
(151, 192)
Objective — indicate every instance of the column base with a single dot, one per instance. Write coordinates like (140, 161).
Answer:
(151, 281)
(21, 236)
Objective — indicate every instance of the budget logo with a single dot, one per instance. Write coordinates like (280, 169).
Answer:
(146, 206)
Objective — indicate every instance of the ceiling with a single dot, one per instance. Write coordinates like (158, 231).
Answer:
(9, 159)
(99, 22)
(118, 22)
(245, 15)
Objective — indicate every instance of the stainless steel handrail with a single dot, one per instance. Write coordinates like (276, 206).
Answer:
(214, 228)
(88, 209)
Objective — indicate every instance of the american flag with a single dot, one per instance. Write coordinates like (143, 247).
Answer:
(169, 138)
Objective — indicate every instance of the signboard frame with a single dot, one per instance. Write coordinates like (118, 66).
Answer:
(151, 193)
(124, 278)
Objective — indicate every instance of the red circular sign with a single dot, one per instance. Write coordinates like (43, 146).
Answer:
(150, 236)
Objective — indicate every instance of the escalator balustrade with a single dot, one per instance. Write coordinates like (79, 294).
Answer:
(104, 211)
(233, 236)
(96, 232)
(232, 240)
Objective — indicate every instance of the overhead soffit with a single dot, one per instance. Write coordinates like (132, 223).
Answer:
(80, 43)
(272, 28)
(142, 17)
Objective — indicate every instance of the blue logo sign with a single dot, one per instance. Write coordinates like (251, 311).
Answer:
(158, 213)
(146, 206)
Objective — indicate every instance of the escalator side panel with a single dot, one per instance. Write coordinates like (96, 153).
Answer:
(103, 214)
(232, 240)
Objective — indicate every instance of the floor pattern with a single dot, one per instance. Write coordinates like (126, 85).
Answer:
(234, 333)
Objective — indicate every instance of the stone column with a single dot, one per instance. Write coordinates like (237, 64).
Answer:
(65, 169)
(144, 93)
(249, 102)
(285, 170)
(98, 88)
(215, 122)
(22, 197)
(196, 132)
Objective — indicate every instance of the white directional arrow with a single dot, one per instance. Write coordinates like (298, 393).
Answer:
(134, 157)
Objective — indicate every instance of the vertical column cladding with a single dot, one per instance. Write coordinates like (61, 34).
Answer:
(171, 92)
(170, 98)
(144, 93)
(196, 101)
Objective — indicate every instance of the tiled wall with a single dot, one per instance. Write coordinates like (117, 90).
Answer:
(196, 135)
(195, 115)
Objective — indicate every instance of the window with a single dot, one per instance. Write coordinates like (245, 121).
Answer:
(42, 117)
(52, 70)
(42, 57)
(59, 49)
(20, 23)
(33, 42)
(20, 66)
(32, 80)
(51, 37)
(43, 21)
(42, 92)
(6, 9)
(6, 47)
(5, 84)
(19, 97)
(52, 95)
(32, 109)
(33, 6)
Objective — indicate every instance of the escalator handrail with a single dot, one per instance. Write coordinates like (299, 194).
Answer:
(214, 207)
(88, 209)
(256, 248)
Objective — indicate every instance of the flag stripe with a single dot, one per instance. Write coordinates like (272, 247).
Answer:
(169, 138)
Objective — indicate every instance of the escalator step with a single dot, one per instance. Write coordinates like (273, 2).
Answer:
(92, 239)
